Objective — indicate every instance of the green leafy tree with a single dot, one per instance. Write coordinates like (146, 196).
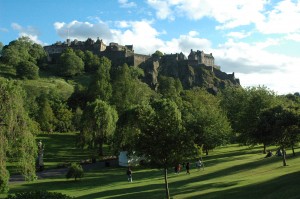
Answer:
(157, 54)
(204, 119)
(100, 86)
(27, 70)
(91, 62)
(23, 50)
(98, 124)
(170, 88)
(128, 90)
(46, 117)
(64, 118)
(283, 125)
(75, 171)
(162, 138)
(70, 63)
(16, 133)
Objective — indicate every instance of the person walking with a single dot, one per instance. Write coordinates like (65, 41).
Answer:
(187, 167)
(129, 174)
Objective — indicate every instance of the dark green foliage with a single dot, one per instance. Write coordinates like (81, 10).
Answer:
(100, 86)
(70, 64)
(91, 61)
(24, 50)
(75, 171)
(4, 177)
(204, 119)
(38, 195)
(27, 70)
(157, 54)
(16, 132)
(98, 124)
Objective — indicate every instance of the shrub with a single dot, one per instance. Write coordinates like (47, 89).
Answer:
(4, 177)
(75, 171)
(38, 195)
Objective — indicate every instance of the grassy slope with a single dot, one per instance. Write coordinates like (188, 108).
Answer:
(230, 172)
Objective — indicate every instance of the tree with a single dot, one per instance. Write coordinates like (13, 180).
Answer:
(27, 70)
(204, 119)
(162, 138)
(170, 88)
(75, 171)
(91, 62)
(100, 86)
(70, 63)
(157, 54)
(23, 50)
(46, 117)
(98, 124)
(283, 125)
(128, 90)
(16, 133)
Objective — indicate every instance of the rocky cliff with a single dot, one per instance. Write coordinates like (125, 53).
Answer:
(190, 74)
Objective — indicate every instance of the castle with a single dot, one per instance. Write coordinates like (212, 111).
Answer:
(119, 54)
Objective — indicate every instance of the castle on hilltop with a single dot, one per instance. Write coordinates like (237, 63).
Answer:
(119, 54)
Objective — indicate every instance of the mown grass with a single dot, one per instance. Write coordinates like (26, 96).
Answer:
(230, 172)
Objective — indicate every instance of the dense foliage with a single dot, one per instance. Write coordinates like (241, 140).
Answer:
(16, 132)
(75, 171)
(38, 195)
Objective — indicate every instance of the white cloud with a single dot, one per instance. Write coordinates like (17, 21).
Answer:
(29, 31)
(283, 18)
(4, 30)
(126, 4)
(293, 37)
(239, 35)
(83, 30)
(255, 66)
(229, 14)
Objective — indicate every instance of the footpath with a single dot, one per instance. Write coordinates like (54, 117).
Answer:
(62, 171)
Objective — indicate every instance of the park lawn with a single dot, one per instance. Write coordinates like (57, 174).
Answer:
(230, 172)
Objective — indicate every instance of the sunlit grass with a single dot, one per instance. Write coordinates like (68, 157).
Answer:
(230, 172)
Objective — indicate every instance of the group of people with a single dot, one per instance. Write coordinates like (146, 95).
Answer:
(278, 153)
(177, 169)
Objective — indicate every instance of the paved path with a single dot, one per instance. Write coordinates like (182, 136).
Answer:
(55, 172)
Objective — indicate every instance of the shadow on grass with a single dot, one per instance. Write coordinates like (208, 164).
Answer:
(286, 186)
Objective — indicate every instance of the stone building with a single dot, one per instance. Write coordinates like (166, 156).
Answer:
(118, 54)
(201, 58)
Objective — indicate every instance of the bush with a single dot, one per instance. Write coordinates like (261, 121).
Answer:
(38, 195)
(75, 171)
(4, 177)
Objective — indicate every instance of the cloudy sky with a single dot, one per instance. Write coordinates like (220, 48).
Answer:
(259, 40)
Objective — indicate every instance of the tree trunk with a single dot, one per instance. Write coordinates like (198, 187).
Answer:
(166, 184)
(265, 149)
(206, 151)
(283, 156)
(294, 154)
(100, 147)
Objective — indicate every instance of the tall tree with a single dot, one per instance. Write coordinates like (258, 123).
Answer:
(162, 138)
(16, 133)
(128, 90)
(283, 125)
(98, 124)
(204, 119)
(100, 86)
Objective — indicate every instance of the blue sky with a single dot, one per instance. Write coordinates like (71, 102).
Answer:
(259, 40)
